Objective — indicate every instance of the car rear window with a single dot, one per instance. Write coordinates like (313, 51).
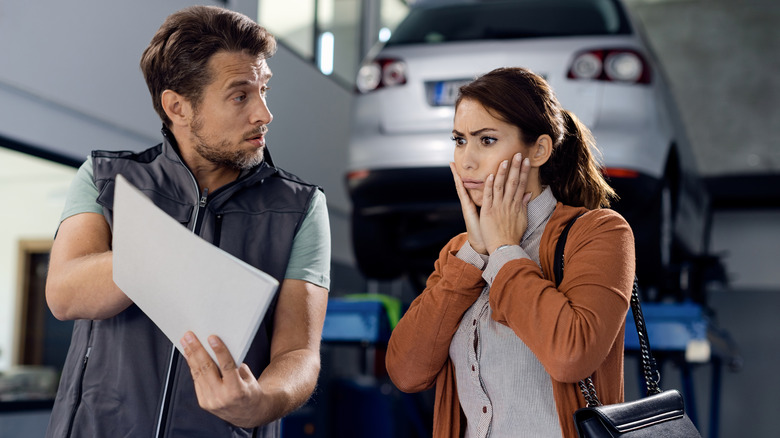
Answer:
(481, 20)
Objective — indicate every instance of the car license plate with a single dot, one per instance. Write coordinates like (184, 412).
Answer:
(445, 93)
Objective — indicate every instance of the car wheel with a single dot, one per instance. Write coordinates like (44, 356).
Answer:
(656, 264)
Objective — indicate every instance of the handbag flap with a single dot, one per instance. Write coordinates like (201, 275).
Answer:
(628, 416)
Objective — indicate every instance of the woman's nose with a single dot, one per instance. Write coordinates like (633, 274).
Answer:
(469, 158)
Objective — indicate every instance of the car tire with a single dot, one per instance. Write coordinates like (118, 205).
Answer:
(657, 269)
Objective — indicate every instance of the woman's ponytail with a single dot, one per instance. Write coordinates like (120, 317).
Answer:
(573, 172)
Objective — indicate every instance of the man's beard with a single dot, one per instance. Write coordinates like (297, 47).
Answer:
(221, 153)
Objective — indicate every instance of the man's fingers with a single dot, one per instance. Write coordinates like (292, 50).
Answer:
(201, 364)
(245, 373)
(226, 362)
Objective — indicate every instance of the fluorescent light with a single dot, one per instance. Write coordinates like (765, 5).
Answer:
(384, 34)
(326, 52)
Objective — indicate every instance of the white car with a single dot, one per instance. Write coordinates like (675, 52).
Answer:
(595, 58)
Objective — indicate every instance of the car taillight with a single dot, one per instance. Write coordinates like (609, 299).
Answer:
(355, 177)
(380, 73)
(616, 172)
(615, 65)
(357, 174)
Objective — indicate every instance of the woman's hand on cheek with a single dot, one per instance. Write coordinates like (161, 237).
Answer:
(470, 214)
(504, 215)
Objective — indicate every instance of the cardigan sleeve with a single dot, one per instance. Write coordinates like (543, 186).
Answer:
(572, 329)
(419, 345)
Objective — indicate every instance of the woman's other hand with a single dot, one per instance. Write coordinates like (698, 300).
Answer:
(470, 214)
(503, 218)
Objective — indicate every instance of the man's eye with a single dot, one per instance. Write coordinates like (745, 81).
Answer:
(264, 91)
(240, 98)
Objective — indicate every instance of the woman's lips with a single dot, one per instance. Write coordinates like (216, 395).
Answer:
(472, 183)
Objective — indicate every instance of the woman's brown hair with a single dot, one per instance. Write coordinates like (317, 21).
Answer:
(524, 99)
(178, 55)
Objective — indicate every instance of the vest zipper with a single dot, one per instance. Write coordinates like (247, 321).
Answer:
(201, 205)
(80, 390)
(217, 230)
(168, 389)
(162, 419)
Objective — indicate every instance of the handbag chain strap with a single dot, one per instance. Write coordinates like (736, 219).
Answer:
(649, 367)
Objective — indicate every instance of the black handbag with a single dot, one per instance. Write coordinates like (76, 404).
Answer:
(659, 414)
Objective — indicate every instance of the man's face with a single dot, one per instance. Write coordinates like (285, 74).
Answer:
(229, 125)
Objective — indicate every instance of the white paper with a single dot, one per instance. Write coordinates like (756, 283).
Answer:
(180, 281)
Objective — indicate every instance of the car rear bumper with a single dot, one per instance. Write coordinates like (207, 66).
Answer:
(425, 190)
(400, 190)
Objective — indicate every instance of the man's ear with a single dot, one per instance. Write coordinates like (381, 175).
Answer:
(176, 107)
(540, 151)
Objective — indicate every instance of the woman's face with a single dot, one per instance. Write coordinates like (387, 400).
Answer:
(482, 142)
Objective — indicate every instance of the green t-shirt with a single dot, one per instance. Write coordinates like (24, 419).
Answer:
(310, 257)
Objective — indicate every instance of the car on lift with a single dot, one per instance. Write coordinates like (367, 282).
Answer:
(601, 67)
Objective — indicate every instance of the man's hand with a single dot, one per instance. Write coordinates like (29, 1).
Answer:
(504, 215)
(234, 394)
(230, 392)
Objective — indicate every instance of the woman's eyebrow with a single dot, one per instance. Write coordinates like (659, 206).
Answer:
(474, 133)
(482, 131)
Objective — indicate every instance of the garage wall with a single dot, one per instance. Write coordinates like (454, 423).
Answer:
(721, 60)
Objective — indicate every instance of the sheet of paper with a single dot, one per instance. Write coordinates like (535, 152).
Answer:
(180, 281)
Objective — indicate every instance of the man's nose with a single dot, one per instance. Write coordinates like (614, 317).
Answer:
(261, 114)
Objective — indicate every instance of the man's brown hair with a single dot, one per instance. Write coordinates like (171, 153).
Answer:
(178, 55)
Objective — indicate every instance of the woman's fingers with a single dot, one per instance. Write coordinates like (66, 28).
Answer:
(523, 168)
(470, 215)
(513, 178)
(466, 204)
(487, 193)
(500, 181)
(458, 184)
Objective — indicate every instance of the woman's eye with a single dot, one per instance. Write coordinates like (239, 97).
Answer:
(459, 141)
(488, 140)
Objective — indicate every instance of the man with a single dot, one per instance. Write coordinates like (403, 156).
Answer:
(206, 71)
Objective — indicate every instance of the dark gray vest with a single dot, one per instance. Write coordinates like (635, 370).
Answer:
(118, 370)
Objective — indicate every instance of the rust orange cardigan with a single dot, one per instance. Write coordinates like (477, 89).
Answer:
(575, 331)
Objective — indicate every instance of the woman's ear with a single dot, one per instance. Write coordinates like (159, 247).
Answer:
(540, 151)
(176, 107)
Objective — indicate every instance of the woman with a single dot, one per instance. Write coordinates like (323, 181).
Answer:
(503, 345)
